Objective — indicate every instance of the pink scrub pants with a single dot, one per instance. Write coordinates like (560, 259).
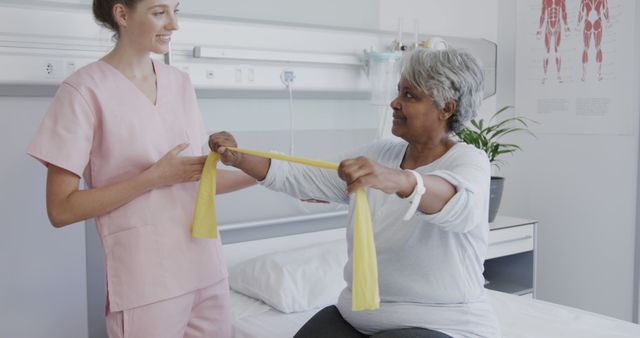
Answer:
(201, 313)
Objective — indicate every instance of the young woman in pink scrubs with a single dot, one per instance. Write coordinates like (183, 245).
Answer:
(130, 126)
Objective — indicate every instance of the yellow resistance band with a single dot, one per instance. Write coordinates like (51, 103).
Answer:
(365, 294)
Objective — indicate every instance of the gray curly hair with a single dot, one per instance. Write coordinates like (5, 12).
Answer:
(447, 75)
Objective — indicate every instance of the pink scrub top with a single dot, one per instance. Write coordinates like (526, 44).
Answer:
(100, 126)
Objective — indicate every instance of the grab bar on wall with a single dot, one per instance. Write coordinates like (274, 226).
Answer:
(282, 220)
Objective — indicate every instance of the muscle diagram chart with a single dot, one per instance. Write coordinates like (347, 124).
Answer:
(578, 80)
(584, 49)
(592, 12)
(550, 27)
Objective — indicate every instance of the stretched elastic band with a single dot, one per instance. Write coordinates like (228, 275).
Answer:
(365, 292)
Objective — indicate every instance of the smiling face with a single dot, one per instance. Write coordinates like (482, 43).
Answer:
(416, 118)
(148, 25)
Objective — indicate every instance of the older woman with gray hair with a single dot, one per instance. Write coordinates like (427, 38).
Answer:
(428, 196)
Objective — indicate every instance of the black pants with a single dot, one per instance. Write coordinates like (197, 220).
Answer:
(328, 323)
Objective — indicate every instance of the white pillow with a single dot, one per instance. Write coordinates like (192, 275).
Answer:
(294, 280)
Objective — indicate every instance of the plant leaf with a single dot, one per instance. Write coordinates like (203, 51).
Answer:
(485, 135)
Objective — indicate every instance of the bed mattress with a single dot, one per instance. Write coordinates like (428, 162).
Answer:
(519, 317)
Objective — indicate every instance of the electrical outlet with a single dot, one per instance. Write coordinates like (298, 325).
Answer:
(210, 74)
(52, 69)
(287, 77)
(49, 70)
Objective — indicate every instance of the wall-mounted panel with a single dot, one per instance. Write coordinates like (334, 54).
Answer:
(43, 44)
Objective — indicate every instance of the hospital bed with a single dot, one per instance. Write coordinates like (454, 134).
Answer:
(279, 283)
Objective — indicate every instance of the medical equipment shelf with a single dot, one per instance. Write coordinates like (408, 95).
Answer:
(511, 258)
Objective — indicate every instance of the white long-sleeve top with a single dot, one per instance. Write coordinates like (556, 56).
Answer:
(429, 267)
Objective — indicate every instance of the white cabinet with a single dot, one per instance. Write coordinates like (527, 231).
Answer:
(511, 265)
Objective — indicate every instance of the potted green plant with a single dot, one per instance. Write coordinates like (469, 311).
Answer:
(486, 136)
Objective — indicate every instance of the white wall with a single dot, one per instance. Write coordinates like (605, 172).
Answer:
(42, 270)
(453, 18)
(583, 190)
(352, 13)
(444, 18)
(636, 308)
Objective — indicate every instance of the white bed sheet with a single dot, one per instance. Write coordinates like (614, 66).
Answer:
(254, 319)
(520, 317)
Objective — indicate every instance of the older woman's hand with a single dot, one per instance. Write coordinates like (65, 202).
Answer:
(218, 143)
(361, 172)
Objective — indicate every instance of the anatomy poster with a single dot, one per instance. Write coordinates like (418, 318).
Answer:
(575, 66)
